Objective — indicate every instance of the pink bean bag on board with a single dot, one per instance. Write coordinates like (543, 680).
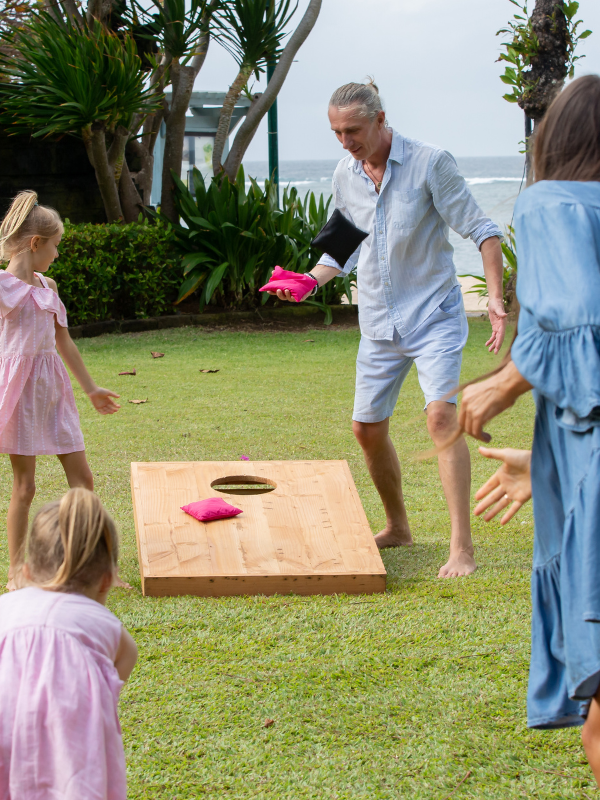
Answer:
(213, 508)
(298, 284)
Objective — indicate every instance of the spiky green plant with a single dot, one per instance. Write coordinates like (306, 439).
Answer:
(252, 32)
(79, 78)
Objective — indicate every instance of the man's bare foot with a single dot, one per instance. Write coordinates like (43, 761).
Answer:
(119, 583)
(459, 565)
(393, 538)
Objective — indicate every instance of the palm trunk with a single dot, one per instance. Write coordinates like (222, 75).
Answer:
(182, 87)
(549, 64)
(231, 98)
(131, 201)
(95, 143)
(263, 102)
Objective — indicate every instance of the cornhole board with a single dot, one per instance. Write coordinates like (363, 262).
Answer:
(307, 534)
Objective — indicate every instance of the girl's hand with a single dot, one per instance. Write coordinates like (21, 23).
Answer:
(512, 482)
(103, 402)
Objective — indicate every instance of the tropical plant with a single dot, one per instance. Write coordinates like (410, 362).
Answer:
(262, 102)
(524, 48)
(251, 31)
(509, 272)
(232, 238)
(77, 76)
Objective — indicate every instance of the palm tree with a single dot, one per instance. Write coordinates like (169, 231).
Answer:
(251, 31)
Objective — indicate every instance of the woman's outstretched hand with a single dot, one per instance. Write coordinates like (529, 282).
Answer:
(102, 400)
(509, 484)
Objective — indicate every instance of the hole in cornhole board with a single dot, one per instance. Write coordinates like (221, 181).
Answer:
(243, 484)
(303, 530)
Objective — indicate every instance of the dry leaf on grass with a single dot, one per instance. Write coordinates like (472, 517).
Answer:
(309, 340)
(128, 372)
(155, 354)
(209, 370)
(138, 402)
(269, 722)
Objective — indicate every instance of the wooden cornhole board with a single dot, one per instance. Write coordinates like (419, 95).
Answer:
(308, 535)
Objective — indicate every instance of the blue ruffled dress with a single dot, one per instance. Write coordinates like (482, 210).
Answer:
(557, 227)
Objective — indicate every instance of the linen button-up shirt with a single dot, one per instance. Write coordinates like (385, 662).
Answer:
(405, 267)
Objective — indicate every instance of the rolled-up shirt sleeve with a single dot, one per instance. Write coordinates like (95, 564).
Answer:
(455, 203)
(327, 260)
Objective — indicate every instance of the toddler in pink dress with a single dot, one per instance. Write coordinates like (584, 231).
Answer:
(63, 660)
(38, 415)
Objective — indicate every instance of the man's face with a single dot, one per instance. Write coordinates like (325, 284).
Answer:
(358, 134)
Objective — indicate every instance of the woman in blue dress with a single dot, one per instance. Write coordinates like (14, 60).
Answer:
(557, 353)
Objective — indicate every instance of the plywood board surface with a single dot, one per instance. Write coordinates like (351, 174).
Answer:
(308, 534)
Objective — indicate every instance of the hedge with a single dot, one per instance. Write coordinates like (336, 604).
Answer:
(117, 271)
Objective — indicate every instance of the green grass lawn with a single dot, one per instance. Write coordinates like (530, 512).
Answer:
(399, 695)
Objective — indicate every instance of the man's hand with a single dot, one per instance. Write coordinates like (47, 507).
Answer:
(510, 483)
(493, 268)
(483, 401)
(103, 402)
(285, 295)
(322, 273)
(497, 316)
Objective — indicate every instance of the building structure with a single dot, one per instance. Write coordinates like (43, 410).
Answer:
(200, 129)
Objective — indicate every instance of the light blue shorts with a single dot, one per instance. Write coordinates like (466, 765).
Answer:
(435, 347)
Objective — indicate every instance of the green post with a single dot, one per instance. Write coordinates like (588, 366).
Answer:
(273, 143)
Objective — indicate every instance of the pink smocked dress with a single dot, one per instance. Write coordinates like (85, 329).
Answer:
(38, 415)
(59, 731)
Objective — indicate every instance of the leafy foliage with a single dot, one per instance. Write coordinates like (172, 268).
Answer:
(524, 45)
(232, 238)
(117, 271)
(66, 76)
(252, 30)
(509, 274)
(173, 25)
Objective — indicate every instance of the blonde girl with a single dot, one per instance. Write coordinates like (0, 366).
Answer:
(63, 660)
(38, 415)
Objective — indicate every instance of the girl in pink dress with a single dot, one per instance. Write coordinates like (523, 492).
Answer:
(63, 660)
(38, 415)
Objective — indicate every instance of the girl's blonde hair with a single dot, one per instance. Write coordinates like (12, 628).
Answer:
(72, 543)
(25, 219)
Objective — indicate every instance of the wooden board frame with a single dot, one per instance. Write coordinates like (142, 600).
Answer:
(308, 535)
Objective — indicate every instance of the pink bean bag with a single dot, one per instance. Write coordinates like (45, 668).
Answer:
(298, 284)
(213, 508)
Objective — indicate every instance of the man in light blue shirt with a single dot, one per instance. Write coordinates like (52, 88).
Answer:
(406, 194)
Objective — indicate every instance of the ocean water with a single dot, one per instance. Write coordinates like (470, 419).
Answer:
(494, 181)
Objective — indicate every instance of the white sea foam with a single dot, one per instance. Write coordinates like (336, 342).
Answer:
(475, 181)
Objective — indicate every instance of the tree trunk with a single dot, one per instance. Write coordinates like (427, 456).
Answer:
(95, 144)
(231, 98)
(143, 177)
(182, 86)
(261, 103)
(131, 202)
(549, 65)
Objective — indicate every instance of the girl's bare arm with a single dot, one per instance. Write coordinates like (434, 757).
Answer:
(127, 654)
(101, 398)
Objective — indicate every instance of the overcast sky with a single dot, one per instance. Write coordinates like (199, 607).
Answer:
(433, 60)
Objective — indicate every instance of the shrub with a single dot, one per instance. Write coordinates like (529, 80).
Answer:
(117, 271)
(231, 240)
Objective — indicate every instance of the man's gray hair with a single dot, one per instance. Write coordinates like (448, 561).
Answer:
(364, 95)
